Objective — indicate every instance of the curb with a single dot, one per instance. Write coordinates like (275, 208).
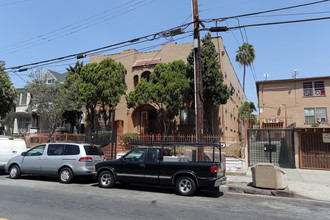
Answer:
(267, 192)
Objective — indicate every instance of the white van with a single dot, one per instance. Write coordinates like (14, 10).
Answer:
(10, 147)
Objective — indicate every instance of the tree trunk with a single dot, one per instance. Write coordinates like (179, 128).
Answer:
(244, 79)
(52, 131)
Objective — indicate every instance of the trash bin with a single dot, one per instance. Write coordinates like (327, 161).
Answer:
(267, 175)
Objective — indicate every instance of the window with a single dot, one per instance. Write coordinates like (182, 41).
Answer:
(37, 151)
(55, 149)
(315, 115)
(71, 150)
(321, 115)
(146, 75)
(309, 115)
(50, 81)
(152, 155)
(317, 90)
(23, 124)
(136, 80)
(308, 88)
(24, 98)
(93, 150)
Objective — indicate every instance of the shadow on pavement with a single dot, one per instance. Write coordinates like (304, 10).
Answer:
(164, 190)
(76, 180)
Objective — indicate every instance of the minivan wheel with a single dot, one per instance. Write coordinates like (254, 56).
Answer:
(66, 175)
(14, 172)
(186, 186)
(106, 180)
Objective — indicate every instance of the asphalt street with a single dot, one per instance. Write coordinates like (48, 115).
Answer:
(46, 198)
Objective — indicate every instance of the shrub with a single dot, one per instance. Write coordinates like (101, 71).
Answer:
(129, 137)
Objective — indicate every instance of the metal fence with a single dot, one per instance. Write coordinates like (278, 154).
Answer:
(314, 151)
(271, 146)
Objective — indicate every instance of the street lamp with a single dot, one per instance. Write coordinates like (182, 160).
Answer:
(281, 105)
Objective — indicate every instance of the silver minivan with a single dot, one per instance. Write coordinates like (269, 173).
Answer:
(64, 160)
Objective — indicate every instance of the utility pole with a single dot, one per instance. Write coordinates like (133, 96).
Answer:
(198, 79)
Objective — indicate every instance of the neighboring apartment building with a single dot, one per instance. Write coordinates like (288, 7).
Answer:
(144, 119)
(299, 103)
(25, 119)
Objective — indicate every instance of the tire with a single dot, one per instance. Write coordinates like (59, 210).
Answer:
(14, 172)
(66, 175)
(106, 180)
(186, 186)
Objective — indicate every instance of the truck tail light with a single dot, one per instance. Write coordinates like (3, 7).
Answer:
(214, 169)
(85, 159)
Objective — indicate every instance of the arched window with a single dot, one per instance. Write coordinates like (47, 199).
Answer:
(146, 75)
(135, 80)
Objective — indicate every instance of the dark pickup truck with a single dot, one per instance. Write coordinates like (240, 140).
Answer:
(162, 166)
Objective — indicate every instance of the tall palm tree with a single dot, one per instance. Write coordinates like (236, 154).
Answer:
(245, 56)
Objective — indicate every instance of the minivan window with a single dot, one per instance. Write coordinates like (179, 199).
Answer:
(55, 149)
(71, 150)
(37, 151)
(93, 150)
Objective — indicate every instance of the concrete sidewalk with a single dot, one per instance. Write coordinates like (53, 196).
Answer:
(313, 184)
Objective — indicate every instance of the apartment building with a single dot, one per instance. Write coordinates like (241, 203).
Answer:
(144, 118)
(299, 103)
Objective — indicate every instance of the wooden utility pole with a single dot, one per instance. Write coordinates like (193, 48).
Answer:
(199, 110)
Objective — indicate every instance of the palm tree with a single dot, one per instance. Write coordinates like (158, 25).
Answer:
(245, 56)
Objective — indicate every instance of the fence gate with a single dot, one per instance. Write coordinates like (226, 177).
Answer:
(271, 146)
(106, 138)
(315, 150)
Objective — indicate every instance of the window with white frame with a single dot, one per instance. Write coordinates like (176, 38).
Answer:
(308, 88)
(23, 124)
(314, 89)
(309, 115)
(318, 115)
(319, 88)
(321, 115)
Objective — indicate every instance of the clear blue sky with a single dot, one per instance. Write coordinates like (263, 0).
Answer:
(36, 30)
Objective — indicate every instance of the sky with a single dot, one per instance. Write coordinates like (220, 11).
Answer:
(37, 30)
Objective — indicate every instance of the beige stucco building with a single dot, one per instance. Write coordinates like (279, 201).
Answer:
(144, 119)
(299, 103)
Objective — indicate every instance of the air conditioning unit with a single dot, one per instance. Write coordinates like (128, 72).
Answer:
(317, 92)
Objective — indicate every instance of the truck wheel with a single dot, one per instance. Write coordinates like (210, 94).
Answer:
(106, 180)
(14, 172)
(66, 175)
(186, 186)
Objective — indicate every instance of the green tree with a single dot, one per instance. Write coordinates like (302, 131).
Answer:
(166, 89)
(245, 111)
(8, 94)
(49, 101)
(245, 56)
(215, 91)
(98, 84)
(74, 114)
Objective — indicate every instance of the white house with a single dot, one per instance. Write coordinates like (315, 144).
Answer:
(25, 119)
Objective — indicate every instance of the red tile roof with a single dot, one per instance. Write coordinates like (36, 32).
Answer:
(146, 62)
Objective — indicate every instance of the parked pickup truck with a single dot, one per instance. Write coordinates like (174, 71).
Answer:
(158, 167)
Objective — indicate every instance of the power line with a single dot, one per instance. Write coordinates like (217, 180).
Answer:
(279, 22)
(267, 11)
(73, 28)
(146, 38)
